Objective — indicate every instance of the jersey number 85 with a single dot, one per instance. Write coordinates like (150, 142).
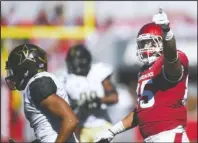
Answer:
(146, 98)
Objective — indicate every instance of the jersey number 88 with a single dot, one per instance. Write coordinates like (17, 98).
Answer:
(88, 96)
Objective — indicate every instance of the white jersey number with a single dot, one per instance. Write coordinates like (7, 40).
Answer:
(146, 99)
(88, 96)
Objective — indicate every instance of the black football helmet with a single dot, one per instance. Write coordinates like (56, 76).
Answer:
(24, 62)
(78, 60)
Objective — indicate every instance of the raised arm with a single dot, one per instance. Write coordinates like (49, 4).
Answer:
(173, 69)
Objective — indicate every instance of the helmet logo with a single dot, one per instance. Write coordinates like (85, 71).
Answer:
(26, 54)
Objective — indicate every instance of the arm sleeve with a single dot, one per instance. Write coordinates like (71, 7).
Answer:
(184, 63)
(135, 120)
(41, 88)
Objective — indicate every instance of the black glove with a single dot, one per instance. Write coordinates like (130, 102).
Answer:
(11, 140)
(165, 27)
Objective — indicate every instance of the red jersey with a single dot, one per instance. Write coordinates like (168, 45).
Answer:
(160, 102)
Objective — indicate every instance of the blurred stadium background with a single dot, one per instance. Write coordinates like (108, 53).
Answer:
(109, 30)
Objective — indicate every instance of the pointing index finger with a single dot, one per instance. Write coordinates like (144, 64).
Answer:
(160, 10)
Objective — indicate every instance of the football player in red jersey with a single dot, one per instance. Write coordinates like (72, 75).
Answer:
(162, 87)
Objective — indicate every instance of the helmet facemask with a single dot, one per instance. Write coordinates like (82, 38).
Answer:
(149, 48)
(17, 78)
(78, 60)
(10, 79)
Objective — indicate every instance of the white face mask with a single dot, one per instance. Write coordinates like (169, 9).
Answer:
(149, 48)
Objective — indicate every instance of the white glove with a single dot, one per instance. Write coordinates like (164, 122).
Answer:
(105, 137)
(161, 18)
(108, 135)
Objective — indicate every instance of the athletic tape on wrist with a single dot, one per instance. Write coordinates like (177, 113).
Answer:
(117, 128)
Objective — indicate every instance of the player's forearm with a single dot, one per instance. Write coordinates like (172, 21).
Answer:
(169, 43)
(172, 64)
(77, 132)
(66, 130)
(110, 99)
(127, 123)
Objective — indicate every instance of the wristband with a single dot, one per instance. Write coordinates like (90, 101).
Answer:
(166, 27)
(117, 128)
